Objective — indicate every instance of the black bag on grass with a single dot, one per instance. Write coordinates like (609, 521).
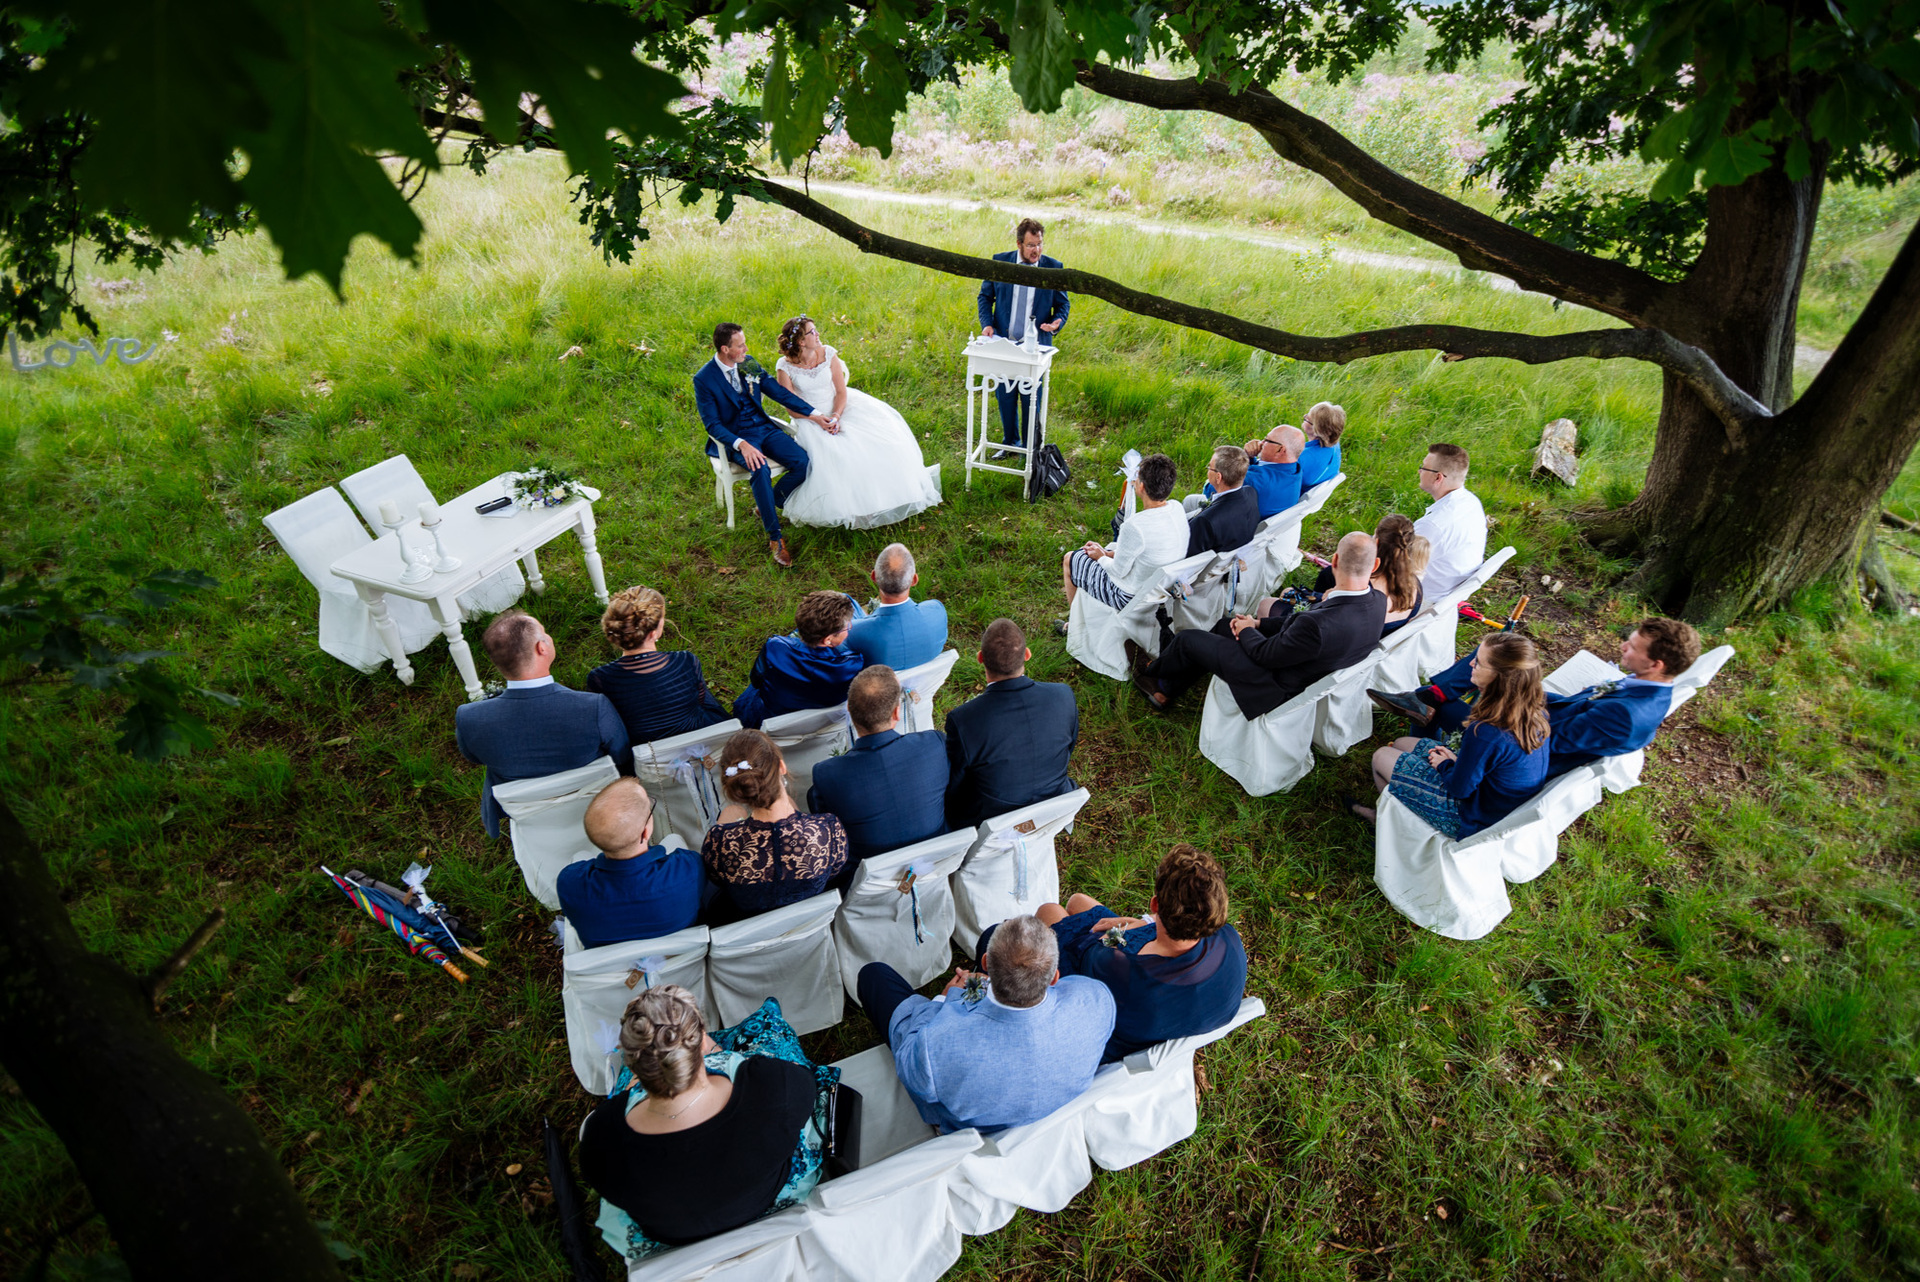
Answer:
(1050, 473)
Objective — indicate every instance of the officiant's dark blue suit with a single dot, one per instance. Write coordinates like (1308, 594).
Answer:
(997, 301)
(731, 416)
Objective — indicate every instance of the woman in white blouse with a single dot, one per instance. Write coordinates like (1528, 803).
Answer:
(1151, 539)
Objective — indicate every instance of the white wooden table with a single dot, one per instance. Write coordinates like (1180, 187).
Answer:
(485, 545)
(994, 363)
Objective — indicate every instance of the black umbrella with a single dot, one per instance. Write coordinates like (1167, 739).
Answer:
(576, 1231)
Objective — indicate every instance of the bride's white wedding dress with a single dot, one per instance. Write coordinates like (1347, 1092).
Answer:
(870, 474)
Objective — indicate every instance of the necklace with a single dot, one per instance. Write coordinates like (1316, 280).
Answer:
(689, 1104)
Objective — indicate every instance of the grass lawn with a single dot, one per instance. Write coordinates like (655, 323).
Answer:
(1689, 1052)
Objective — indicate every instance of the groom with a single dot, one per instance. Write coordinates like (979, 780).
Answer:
(1006, 309)
(729, 401)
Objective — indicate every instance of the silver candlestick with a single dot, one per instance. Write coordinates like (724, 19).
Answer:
(415, 570)
(443, 563)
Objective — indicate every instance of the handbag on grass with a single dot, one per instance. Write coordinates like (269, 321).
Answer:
(1050, 473)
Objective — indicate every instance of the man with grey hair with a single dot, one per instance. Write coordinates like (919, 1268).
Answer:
(900, 632)
(1001, 1047)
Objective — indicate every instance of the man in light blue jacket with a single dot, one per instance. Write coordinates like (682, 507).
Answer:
(1000, 1048)
(901, 632)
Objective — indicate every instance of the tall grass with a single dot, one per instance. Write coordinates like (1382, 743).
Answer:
(1690, 1050)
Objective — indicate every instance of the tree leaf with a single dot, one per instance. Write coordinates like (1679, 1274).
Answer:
(1042, 70)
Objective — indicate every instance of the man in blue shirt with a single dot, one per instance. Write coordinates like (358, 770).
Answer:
(633, 889)
(901, 632)
(1603, 720)
(889, 789)
(1002, 1048)
(1274, 474)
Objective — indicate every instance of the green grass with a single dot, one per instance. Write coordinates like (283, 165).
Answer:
(1690, 1051)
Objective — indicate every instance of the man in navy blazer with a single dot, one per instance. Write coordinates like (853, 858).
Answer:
(633, 889)
(736, 422)
(537, 727)
(1604, 720)
(1006, 309)
(1009, 746)
(901, 632)
(1227, 522)
(889, 789)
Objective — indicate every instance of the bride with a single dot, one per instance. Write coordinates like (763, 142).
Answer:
(867, 471)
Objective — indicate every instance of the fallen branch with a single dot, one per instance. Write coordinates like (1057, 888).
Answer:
(1899, 522)
(167, 971)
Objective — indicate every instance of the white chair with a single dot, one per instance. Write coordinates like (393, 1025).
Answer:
(1012, 868)
(918, 686)
(1270, 753)
(315, 532)
(1398, 665)
(805, 739)
(1344, 715)
(1157, 1107)
(1097, 633)
(876, 921)
(763, 1251)
(787, 954)
(680, 774)
(1040, 1166)
(1439, 640)
(397, 479)
(597, 984)
(727, 474)
(548, 813)
(1207, 597)
(1274, 551)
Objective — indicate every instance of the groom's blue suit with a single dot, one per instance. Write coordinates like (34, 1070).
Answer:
(731, 416)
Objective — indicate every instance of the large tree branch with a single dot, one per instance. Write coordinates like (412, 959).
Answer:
(1479, 241)
(1735, 408)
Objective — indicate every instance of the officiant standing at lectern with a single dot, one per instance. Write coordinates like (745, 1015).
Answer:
(1006, 310)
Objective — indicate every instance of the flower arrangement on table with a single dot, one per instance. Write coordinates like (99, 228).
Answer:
(545, 486)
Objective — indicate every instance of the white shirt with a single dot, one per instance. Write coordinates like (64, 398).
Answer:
(1457, 527)
(1022, 310)
(531, 683)
(1150, 540)
(1331, 593)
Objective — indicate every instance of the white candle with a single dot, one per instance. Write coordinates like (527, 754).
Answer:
(429, 513)
(390, 512)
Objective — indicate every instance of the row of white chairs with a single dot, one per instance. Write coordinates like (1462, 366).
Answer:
(807, 955)
(1197, 591)
(319, 529)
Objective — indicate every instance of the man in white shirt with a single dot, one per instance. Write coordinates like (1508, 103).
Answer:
(1008, 311)
(1455, 523)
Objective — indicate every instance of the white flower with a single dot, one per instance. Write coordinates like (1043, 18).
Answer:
(170, 336)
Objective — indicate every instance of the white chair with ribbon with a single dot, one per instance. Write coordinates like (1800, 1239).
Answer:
(597, 984)
(805, 739)
(1097, 634)
(398, 480)
(679, 773)
(1435, 647)
(1274, 551)
(1205, 598)
(1157, 1107)
(1012, 868)
(787, 954)
(906, 922)
(547, 829)
(1270, 753)
(918, 686)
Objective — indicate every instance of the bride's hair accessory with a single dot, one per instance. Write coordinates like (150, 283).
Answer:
(790, 335)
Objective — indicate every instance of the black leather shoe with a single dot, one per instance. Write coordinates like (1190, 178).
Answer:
(1402, 704)
(1137, 657)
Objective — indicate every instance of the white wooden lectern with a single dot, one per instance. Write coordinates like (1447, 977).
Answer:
(997, 362)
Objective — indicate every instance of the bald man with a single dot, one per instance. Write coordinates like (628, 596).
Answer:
(1268, 661)
(633, 889)
(1274, 475)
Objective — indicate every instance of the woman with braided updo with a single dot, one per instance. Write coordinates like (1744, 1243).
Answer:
(658, 693)
(695, 1139)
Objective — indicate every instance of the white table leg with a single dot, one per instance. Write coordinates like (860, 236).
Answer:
(590, 548)
(532, 561)
(446, 613)
(389, 631)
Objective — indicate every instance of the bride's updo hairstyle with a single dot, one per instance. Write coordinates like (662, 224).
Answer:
(661, 1034)
(752, 773)
(632, 615)
(790, 336)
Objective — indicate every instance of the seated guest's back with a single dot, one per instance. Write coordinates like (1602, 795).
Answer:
(1403, 556)
(1455, 523)
(1227, 522)
(702, 1141)
(658, 693)
(1152, 538)
(633, 889)
(810, 669)
(1273, 469)
(762, 851)
(999, 1053)
(901, 632)
(536, 727)
(1178, 973)
(1503, 754)
(1320, 459)
(888, 790)
(1010, 745)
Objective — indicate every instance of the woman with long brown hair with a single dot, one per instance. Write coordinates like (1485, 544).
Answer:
(1403, 558)
(1502, 758)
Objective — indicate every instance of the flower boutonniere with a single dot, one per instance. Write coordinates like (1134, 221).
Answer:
(751, 372)
(1606, 688)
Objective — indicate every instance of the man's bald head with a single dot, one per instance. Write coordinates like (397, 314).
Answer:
(619, 822)
(1291, 441)
(1353, 562)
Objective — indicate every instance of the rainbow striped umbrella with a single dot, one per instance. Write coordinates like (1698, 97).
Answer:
(418, 944)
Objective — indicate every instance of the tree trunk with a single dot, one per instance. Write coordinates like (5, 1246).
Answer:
(184, 1180)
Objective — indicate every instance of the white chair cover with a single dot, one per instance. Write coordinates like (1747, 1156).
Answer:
(548, 816)
(786, 954)
(764, 1251)
(1439, 639)
(1156, 1108)
(1040, 1166)
(1275, 548)
(682, 774)
(1012, 868)
(805, 740)
(1397, 666)
(1270, 753)
(1344, 715)
(397, 479)
(1205, 599)
(1097, 633)
(315, 532)
(918, 686)
(876, 920)
(597, 984)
